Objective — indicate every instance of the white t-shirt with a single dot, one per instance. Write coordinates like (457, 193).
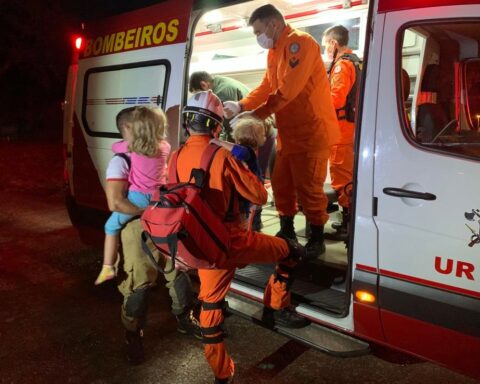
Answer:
(117, 169)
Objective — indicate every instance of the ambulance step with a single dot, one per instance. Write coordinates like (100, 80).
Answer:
(312, 285)
(314, 335)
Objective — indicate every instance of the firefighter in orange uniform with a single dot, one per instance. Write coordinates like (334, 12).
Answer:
(203, 118)
(295, 88)
(342, 74)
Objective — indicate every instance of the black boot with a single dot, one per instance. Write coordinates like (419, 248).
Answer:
(345, 219)
(341, 228)
(287, 230)
(188, 324)
(315, 245)
(134, 347)
(285, 317)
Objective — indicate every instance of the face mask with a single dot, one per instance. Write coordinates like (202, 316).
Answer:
(264, 41)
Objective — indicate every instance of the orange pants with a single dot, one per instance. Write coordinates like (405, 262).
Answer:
(301, 176)
(341, 171)
(246, 248)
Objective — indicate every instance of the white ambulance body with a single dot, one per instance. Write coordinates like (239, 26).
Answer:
(410, 278)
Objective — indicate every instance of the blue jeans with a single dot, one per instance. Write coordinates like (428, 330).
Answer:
(117, 220)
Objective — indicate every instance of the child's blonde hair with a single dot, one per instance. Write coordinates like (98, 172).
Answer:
(148, 129)
(249, 132)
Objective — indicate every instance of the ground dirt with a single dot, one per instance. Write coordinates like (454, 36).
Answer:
(57, 327)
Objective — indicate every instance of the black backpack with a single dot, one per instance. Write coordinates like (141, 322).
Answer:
(351, 103)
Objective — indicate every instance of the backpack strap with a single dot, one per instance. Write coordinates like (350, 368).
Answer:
(207, 156)
(125, 157)
(200, 175)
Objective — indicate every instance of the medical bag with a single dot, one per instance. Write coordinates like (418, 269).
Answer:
(181, 224)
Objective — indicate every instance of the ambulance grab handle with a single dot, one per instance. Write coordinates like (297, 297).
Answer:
(399, 192)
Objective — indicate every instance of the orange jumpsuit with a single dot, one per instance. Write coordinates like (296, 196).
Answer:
(295, 88)
(342, 78)
(228, 175)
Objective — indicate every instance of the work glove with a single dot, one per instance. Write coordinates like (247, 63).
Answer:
(242, 115)
(231, 109)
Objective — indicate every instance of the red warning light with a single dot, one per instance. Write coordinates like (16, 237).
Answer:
(78, 43)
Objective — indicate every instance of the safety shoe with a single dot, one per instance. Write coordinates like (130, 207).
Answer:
(134, 347)
(314, 249)
(344, 223)
(285, 317)
(315, 246)
(287, 229)
(188, 324)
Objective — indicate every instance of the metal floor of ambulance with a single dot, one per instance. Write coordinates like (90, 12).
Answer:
(318, 283)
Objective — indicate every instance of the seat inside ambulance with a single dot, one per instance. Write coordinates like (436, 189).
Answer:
(431, 116)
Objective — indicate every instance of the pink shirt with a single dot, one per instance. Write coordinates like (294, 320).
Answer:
(146, 173)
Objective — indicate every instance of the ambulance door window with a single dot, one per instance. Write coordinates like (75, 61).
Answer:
(110, 89)
(440, 63)
(471, 87)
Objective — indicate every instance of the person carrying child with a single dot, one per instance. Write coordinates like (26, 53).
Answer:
(249, 134)
(144, 132)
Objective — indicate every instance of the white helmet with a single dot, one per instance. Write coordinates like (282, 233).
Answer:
(203, 112)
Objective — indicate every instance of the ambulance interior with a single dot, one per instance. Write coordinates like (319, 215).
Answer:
(224, 45)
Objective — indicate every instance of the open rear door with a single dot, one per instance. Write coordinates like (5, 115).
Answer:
(136, 58)
(426, 180)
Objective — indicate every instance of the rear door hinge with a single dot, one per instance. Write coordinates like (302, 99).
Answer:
(375, 206)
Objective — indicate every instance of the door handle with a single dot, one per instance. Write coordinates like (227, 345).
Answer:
(399, 192)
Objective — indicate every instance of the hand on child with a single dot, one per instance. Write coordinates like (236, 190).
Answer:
(242, 115)
(107, 273)
(231, 109)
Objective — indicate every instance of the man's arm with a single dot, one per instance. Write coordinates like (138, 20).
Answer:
(258, 96)
(115, 191)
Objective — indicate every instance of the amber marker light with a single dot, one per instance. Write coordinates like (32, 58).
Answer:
(365, 296)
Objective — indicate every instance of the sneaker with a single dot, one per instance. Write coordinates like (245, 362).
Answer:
(285, 317)
(134, 347)
(314, 248)
(107, 273)
(188, 324)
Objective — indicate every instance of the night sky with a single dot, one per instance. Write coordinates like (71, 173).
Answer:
(35, 51)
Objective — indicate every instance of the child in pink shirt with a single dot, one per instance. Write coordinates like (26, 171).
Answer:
(144, 133)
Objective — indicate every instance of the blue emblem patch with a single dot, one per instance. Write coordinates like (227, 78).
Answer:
(294, 48)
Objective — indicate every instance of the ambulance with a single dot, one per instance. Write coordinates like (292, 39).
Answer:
(409, 277)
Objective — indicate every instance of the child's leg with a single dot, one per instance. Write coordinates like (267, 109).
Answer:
(110, 249)
(113, 226)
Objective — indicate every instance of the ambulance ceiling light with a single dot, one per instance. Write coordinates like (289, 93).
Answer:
(213, 17)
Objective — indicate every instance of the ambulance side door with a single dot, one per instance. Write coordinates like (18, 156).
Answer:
(137, 58)
(426, 182)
